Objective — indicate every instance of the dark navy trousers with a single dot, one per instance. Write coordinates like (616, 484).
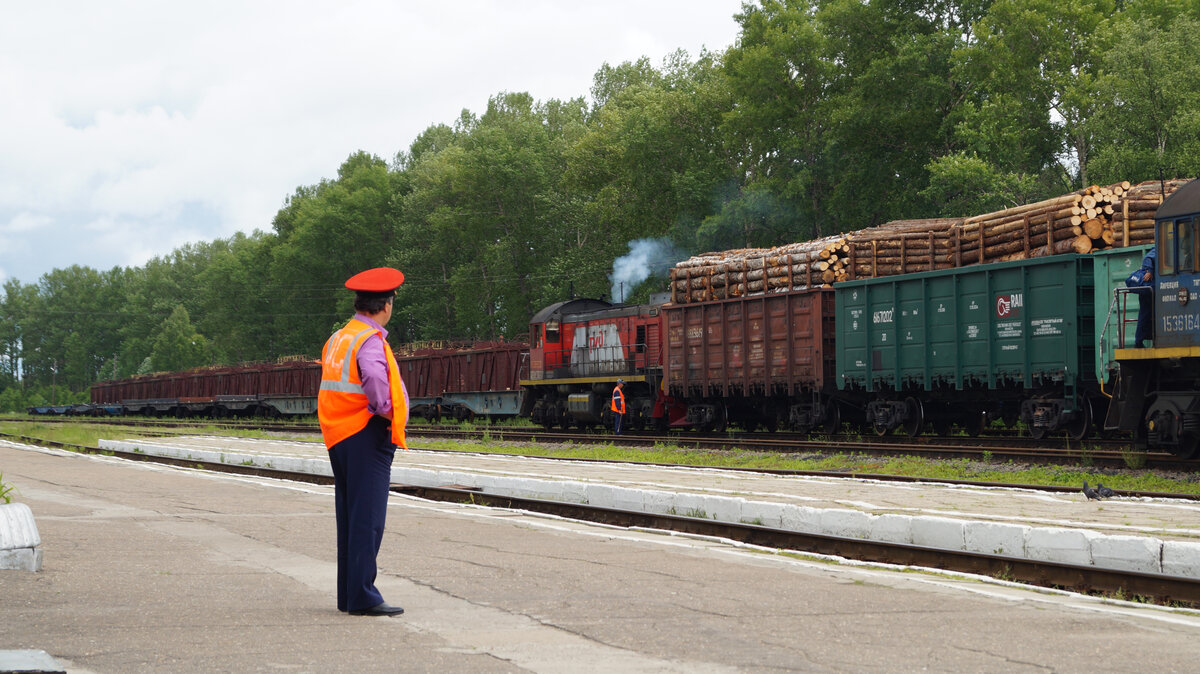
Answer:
(1145, 322)
(362, 473)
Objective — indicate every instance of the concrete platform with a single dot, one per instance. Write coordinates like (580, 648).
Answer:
(1148, 535)
(151, 568)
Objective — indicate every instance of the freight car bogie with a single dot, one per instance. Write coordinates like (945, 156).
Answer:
(885, 416)
(815, 413)
(1045, 415)
(808, 413)
(708, 416)
(1043, 411)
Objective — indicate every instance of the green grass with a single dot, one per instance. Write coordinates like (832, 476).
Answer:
(89, 434)
(981, 470)
(6, 490)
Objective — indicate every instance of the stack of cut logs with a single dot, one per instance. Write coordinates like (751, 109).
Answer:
(1073, 223)
(900, 247)
(1090, 219)
(1133, 219)
(1080, 222)
(752, 271)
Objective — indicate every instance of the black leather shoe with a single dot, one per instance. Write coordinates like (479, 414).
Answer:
(379, 609)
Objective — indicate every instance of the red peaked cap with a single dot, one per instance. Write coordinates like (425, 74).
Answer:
(377, 280)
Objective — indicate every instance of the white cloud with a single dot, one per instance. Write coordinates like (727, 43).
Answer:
(134, 116)
(26, 222)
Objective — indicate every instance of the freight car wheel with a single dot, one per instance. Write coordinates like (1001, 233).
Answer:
(942, 426)
(974, 423)
(1037, 432)
(833, 420)
(721, 422)
(1081, 426)
(915, 422)
(1189, 447)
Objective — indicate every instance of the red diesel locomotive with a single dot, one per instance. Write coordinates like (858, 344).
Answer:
(579, 349)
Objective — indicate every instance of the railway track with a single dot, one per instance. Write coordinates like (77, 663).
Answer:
(1098, 452)
(1157, 588)
(1101, 453)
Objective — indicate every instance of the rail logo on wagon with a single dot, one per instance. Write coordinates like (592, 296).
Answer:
(1009, 305)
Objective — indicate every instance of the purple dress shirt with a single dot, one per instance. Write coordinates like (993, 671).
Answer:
(373, 370)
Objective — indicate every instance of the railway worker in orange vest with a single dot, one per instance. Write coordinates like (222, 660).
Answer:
(363, 409)
(618, 406)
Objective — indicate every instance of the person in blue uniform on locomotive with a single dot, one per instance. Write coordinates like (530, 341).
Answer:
(1144, 278)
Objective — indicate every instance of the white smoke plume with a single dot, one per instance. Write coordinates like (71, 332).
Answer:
(645, 257)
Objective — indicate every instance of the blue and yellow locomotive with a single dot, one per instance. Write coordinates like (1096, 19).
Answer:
(1157, 393)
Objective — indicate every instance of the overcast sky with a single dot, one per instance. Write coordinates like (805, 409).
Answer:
(130, 128)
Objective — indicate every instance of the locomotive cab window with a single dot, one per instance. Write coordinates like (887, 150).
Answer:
(1166, 248)
(1185, 232)
(552, 331)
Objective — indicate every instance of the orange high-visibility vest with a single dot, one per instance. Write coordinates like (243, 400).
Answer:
(341, 402)
(618, 401)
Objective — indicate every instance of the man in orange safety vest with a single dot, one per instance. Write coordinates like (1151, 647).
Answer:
(363, 408)
(618, 406)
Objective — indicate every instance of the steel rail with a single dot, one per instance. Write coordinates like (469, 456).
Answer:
(1017, 449)
(943, 448)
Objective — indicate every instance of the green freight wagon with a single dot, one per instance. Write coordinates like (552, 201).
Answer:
(1009, 340)
(1116, 312)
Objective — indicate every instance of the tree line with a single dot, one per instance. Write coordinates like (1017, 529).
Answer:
(824, 116)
